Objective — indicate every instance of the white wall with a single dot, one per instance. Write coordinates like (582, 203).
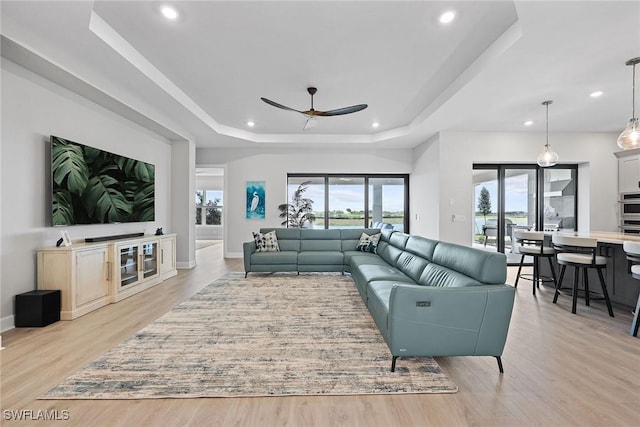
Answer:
(453, 187)
(183, 209)
(34, 108)
(272, 165)
(423, 183)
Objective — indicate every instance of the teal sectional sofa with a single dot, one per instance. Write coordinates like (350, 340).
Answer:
(427, 297)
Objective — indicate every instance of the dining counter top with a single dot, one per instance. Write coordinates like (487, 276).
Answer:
(602, 236)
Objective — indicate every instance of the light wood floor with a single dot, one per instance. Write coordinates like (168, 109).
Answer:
(560, 369)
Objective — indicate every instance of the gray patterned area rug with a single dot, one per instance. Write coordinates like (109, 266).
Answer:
(266, 335)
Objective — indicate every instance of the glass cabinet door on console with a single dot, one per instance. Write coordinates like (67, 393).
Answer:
(139, 266)
(128, 265)
(150, 259)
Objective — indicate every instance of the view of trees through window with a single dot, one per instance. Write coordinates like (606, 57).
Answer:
(354, 200)
(209, 207)
(513, 197)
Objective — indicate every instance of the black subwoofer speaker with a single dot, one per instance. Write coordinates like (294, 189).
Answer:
(37, 308)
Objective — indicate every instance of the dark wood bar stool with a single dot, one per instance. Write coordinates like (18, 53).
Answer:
(633, 256)
(579, 253)
(532, 244)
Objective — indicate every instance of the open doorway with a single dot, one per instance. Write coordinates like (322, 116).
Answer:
(209, 202)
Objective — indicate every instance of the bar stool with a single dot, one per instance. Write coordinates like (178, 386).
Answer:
(532, 244)
(579, 253)
(633, 256)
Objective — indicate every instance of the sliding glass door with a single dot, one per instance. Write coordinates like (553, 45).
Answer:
(346, 198)
(521, 196)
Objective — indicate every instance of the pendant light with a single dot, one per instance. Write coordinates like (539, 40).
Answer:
(548, 157)
(630, 137)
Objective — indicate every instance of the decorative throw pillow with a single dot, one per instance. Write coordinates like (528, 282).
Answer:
(267, 242)
(368, 243)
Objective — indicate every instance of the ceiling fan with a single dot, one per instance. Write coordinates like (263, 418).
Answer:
(311, 113)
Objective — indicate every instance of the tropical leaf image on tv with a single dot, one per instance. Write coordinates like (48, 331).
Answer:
(92, 186)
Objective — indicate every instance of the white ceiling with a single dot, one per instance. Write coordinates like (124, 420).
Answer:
(202, 76)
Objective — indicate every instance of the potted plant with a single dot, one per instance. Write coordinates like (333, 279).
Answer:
(300, 211)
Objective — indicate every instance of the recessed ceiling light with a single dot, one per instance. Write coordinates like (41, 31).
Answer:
(375, 124)
(528, 123)
(596, 94)
(250, 123)
(447, 17)
(169, 12)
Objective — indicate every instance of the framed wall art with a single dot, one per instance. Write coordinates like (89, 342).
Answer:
(255, 202)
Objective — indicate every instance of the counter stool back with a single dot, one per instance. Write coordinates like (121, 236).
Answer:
(532, 244)
(579, 253)
(633, 256)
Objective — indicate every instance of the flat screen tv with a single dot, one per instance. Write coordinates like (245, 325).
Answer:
(93, 186)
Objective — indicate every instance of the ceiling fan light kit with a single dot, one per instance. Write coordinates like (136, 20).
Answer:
(630, 137)
(548, 157)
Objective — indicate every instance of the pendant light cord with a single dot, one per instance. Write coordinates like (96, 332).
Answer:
(633, 93)
(547, 144)
(546, 104)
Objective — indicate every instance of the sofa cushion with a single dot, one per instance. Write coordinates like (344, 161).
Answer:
(368, 243)
(288, 238)
(281, 257)
(358, 259)
(421, 246)
(485, 267)
(266, 242)
(320, 240)
(349, 255)
(437, 275)
(411, 265)
(389, 253)
(368, 272)
(321, 258)
(399, 240)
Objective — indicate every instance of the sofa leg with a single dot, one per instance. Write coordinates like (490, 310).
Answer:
(499, 359)
(393, 363)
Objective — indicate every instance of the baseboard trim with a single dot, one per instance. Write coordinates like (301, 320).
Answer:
(185, 265)
(233, 255)
(7, 323)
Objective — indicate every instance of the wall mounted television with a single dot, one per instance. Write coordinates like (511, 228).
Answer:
(93, 186)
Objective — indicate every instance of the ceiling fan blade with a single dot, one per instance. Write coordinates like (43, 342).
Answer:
(275, 104)
(340, 111)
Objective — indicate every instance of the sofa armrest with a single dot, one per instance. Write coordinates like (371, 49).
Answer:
(445, 321)
(248, 248)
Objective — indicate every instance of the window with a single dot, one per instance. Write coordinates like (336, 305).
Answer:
(353, 200)
(209, 207)
(346, 202)
(388, 201)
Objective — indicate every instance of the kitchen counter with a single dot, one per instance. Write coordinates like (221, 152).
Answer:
(612, 237)
(622, 288)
